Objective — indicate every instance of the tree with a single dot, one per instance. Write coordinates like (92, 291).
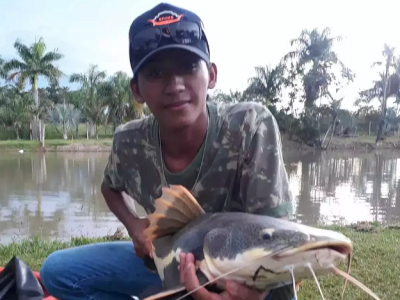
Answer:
(334, 108)
(16, 108)
(119, 98)
(94, 94)
(135, 110)
(66, 115)
(389, 84)
(35, 62)
(266, 86)
(314, 57)
(57, 94)
(45, 105)
(231, 97)
(3, 73)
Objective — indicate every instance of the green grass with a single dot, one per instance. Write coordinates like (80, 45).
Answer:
(376, 261)
(27, 145)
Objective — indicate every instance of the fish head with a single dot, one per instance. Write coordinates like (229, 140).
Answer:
(264, 251)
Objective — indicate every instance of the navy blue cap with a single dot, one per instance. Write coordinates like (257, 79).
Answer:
(156, 16)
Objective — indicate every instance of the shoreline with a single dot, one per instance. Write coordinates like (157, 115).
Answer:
(362, 143)
(79, 145)
(376, 261)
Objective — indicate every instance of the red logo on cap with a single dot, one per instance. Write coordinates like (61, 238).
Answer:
(165, 17)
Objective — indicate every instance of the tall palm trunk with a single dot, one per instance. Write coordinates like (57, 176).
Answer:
(385, 88)
(35, 121)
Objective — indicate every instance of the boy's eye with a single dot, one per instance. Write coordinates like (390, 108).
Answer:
(185, 66)
(190, 66)
(153, 72)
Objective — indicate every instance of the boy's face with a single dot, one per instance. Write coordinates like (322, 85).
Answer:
(174, 84)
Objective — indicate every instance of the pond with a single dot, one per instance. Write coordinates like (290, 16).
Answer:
(58, 194)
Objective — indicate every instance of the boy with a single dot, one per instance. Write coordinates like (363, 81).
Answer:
(228, 156)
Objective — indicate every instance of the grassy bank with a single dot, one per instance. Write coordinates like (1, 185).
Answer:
(376, 261)
(362, 143)
(79, 145)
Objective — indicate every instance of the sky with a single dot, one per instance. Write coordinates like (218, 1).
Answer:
(242, 34)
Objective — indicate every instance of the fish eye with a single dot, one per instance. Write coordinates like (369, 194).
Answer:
(266, 234)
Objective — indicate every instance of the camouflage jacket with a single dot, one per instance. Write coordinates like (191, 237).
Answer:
(243, 169)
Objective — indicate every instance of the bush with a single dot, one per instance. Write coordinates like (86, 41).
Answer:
(53, 132)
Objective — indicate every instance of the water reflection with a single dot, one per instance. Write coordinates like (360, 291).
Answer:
(58, 194)
(345, 187)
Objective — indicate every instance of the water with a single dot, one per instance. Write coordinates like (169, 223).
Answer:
(58, 194)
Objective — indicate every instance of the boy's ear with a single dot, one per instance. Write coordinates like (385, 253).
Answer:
(213, 72)
(135, 91)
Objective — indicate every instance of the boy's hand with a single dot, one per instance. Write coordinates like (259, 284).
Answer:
(234, 291)
(136, 232)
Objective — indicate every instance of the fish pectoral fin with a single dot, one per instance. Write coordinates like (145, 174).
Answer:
(168, 294)
(173, 210)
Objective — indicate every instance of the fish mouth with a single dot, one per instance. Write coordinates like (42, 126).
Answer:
(343, 248)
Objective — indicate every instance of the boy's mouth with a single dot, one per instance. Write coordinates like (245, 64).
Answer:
(177, 105)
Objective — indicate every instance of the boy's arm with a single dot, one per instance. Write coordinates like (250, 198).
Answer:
(264, 182)
(112, 188)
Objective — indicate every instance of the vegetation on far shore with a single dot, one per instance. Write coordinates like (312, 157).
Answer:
(361, 143)
(310, 74)
(376, 261)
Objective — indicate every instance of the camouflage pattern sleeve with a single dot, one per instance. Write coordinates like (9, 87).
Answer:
(264, 181)
(111, 178)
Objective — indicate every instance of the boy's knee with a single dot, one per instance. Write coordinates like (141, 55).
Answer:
(52, 271)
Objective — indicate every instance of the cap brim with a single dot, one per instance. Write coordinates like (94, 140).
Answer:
(189, 48)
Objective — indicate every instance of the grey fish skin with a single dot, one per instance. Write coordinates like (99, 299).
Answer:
(224, 236)
(189, 239)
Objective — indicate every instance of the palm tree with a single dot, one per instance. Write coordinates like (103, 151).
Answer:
(35, 62)
(45, 105)
(314, 50)
(389, 84)
(135, 110)
(266, 86)
(3, 73)
(66, 115)
(57, 94)
(94, 91)
(231, 97)
(16, 108)
(119, 98)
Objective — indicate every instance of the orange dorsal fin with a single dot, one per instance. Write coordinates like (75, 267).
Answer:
(173, 210)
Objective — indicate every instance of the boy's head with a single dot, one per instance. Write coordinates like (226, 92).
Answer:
(170, 61)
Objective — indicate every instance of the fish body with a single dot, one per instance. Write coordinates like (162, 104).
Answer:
(259, 251)
(224, 241)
